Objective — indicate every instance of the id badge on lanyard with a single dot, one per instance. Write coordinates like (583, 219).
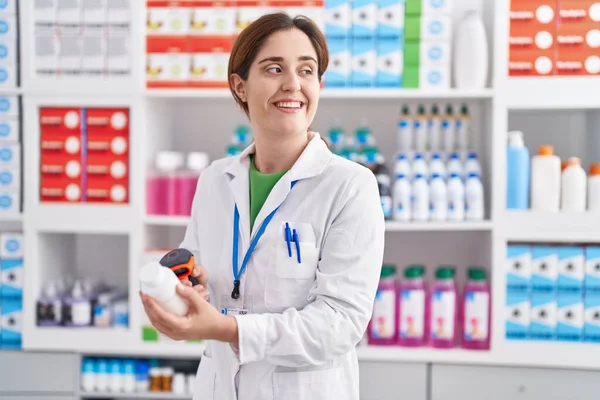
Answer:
(236, 307)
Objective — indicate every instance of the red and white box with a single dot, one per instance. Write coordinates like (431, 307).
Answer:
(209, 62)
(213, 18)
(535, 12)
(584, 37)
(579, 12)
(577, 62)
(107, 158)
(168, 62)
(525, 62)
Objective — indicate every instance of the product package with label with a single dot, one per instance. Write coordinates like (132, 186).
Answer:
(11, 289)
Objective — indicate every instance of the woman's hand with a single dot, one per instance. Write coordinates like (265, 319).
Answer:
(202, 322)
(200, 273)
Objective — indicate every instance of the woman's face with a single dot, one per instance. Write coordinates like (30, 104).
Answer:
(282, 89)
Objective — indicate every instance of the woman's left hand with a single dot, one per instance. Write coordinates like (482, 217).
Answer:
(202, 322)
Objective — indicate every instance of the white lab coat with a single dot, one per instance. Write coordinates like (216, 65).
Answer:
(298, 342)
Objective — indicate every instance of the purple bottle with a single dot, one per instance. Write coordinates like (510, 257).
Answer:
(443, 309)
(382, 328)
(476, 311)
(412, 321)
(49, 307)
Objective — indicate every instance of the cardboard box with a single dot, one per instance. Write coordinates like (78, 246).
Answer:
(390, 19)
(11, 278)
(531, 37)
(544, 271)
(536, 12)
(592, 270)
(167, 62)
(171, 20)
(517, 316)
(338, 19)
(209, 62)
(576, 62)
(518, 268)
(571, 269)
(11, 246)
(591, 329)
(364, 62)
(579, 12)
(543, 316)
(340, 63)
(531, 62)
(364, 18)
(213, 18)
(390, 62)
(582, 37)
(570, 318)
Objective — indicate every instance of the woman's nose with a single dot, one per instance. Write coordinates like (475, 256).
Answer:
(291, 83)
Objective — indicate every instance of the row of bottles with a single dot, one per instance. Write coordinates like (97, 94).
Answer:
(544, 183)
(411, 314)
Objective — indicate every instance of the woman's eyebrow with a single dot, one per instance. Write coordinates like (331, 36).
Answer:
(280, 59)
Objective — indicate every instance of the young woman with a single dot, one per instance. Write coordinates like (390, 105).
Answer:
(289, 237)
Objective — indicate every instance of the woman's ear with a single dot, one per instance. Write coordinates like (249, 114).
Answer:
(239, 86)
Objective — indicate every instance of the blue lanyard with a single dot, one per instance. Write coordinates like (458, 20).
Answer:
(235, 294)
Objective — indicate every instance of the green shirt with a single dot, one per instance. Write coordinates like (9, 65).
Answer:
(260, 187)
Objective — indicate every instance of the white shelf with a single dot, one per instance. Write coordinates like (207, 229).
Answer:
(535, 226)
(166, 220)
(135, 395)
(423, 355)
(343, 93)
(552, 93)
(83, 218)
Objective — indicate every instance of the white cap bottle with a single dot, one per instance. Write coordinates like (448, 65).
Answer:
(160, 283)
(168, 162)
(438, 198)
(573, 187)
(197, 161)
(594, 188)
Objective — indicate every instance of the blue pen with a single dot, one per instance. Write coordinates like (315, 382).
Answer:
(297, 240)
(288, 238)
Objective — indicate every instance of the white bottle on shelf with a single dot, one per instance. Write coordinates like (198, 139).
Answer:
(438, 198)
(402, 166)
(435, 129)
(545, 180)
(160, 283)
(420, 129)
(401, 196)
(573, 186)
(470, 60)
(474, 209)
(455, 165)
(472, 164)
(594, 188)
(420, 198)
(456, 198)
(449, 130)
(437, 165)
(420, 167)
(405, 130)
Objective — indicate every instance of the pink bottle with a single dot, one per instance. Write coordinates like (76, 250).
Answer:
(443, 309)
(163, 184)
(476, 311)
(413, 315)
(382, 328)
(196, 163)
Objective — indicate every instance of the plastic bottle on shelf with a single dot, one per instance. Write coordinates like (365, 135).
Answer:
(188, 180)
(413, 313)
(382, 328)
(594, 188)
(162, 194)
(102, 375)
(77, 307)
(472, 164)
(420, 198)
(455, 165)
(470, 59)
(335, 136)
(128, 372)
(518, 170)
(449, 130)
(545, 180)
(437, 165)
(115, 382)
(456, 198)
(476, 311)
(463, 129)
(160, 283)
(88, 374)
(419, 166)
(573, 187)
(363, 133)
(242, 136)
(443, 314)
(438, 198)
(420, 129)
(474, 205)
(401, 197)
(142, 378)
(405, 130)
(49, 306)
(435, 129)
(402, 166)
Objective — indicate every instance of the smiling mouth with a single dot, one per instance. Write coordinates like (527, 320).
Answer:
(289, 105)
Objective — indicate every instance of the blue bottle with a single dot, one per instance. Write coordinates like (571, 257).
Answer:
(517, 172)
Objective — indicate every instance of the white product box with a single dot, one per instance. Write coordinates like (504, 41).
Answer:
(10, 178)
(544, 269)
(434, 77)
(438, 27)
(70, 53)
(9, 106)
(390, 62)
(338, 18)
(340, 62)
(213, 21)
(364, 62)
(168, 21)
(8, 76)
(8, 26)
(118, 52)
(543, 316)
(430, 7)
(390, 18)
(209, 67)
(364, 18)
(570, 317)
(9, 129)
(10, 155)
(518, 268)
(8, 7)
(45, 12)
(69, 13)
(46, 52)
(571, 269)
(435, 53)
(11, 246)
(173, 67)
(93, 57)
(119, 12)
(94, 12)
(517, 318)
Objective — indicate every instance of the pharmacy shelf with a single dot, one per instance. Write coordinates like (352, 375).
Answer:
(83, 218)
(536, 226)
(11, 218)
(166, 220)
(343, 93)
(552, 93)
(423, 355)
(135, 395)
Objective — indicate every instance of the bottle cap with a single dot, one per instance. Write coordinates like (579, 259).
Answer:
(158, 281)
(546, 150)
(473, 175)
(595, 169)
(464, 109)
(435, 175)
(78, 291)
(436, 156)
(472, 155)
(401, 176)
(414, 271)
(421, 109)
(405, 110)
(515, 138)
(401, 156)
(388, 271)
(574, 162)
(419, 176)
(51, 290)
(419, 156)
(435, 110)
(564, 164)
(454, 156)
(445, 272)
(169, 161)
(197, 161)
(476, 274)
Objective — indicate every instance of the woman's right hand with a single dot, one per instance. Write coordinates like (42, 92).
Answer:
(200, 273)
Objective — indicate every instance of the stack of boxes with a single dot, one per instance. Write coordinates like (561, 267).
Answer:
(11, 290)
(554, 37)
(84, 155)
(9, 59)
(427, 50)
(10, 157)
(553, 293)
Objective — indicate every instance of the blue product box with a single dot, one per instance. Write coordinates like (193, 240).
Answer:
(544, 269)
(591, 328)
(592, 269)
(517, 316)
(571, 269)
(364, 18)
(338, 18)
(340, 63)
(390, 19)
(10, 322)
(389, 62)
(543, 316)
(364, 62)
(11, 278)
(518, 268)
(570, 317)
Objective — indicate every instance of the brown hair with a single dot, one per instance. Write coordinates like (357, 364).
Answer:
(251, 39)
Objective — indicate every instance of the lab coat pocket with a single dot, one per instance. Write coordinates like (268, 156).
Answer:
(204, 387)
(325, 384)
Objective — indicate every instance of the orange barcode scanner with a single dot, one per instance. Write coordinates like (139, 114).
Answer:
(181, 262)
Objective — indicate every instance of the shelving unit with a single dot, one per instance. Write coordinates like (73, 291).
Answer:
(145, 396)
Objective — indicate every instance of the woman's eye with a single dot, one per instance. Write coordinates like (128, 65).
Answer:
(274, 70)
(307, 71)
